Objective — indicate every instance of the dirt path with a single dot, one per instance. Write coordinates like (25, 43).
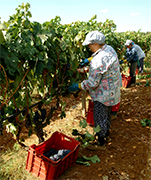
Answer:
(128, 156)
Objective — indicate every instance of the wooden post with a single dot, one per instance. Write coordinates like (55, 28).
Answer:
(83, 103)
(83, 99)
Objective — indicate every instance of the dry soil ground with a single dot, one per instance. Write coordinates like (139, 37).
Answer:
(127, 156)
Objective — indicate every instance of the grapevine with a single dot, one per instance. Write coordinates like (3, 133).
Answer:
(44, 58)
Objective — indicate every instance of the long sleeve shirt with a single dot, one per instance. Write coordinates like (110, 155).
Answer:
(104, 79)
(140, 52)
(132, 55)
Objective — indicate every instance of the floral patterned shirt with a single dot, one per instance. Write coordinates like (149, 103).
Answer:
(104, 79)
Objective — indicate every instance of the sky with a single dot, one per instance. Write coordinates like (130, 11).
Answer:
(128, 15)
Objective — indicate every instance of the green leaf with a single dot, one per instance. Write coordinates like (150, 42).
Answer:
(95, 159)
(75, 132)
(147, 84)
(1, 37)
(27, 23)
(82, 161)
(85, 157)
(17, 81)
(36, 28)
(89, 136)
(40, 57)
(63, 45)
(63, 114)
(48, 101)
(3, 51)
(30, 132)
(9, 110)
(3, 26)
(12, 129)
(143, 123)
(97, 129)
(94, 17)
(16, 146)
(39, 67)
(83, 123)
(85, 163)
(78, 139)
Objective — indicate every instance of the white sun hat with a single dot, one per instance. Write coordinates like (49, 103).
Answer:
(94, 37)
(128, 42)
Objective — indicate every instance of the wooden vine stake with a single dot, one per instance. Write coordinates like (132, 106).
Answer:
(83, 99)
(83, 103)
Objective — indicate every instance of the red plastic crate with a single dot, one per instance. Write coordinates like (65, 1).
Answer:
(45, 168)
(136, 72)
(115, 107)
(126, 80)
(90, 119)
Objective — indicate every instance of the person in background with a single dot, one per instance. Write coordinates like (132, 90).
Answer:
(103, 84)
(141, 56)
(132, 58)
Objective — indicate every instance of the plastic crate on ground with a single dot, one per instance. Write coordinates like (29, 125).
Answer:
(90, 119)
(126, 80)
(90, 116)
(45, 168)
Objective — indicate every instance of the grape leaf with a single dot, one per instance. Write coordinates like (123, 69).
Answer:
(93, 159)
(39, 68)
(97, 129)
(83, 123)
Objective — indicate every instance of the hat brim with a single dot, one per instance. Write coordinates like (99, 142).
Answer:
(92, 42)
(127, 44)
(86, 43)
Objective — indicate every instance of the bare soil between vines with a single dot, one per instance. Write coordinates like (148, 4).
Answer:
(127, 156)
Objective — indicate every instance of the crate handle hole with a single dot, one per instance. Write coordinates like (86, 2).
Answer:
(67, 139)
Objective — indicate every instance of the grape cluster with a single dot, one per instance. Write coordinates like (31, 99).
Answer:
(28, 121)
(41, 115)
(36, 117)
(12, 118)
(1, 127)
(55, 155)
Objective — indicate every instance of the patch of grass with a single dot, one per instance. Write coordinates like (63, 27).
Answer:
(145, 76)
(139, 76)
(147, 83)
(147, 60)
(147, 70)
(147, 64)
(12, 165)
(139, 84)
(148, 75)
(145, 122)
